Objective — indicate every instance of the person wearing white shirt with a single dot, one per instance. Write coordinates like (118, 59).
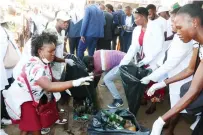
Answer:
(179, 55)
(6, 78)
(189, 25)
(128, 24)
(144, 40)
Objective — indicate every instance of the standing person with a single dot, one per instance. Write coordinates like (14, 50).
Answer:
(62, 23)
(92, 29)
(144, 40)
(164, 12)
(162, 23)
(116, 23)
(6, 41)
(128, 26)
(179, 55)
(73, 31)
(38, 22)
(105, 42)
(19, 103)
(189, 25)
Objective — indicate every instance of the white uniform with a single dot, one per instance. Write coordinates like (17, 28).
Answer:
(5, 73)
(179, 55)
(152, 44)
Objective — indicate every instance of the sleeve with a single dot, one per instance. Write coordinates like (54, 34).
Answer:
(131, 51)
(153, 46)
(174, 59)
(36, 72)
(85, 22)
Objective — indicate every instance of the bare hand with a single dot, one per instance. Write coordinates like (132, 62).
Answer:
(83, 39)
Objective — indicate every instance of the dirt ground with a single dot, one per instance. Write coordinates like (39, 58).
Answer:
(104, 98)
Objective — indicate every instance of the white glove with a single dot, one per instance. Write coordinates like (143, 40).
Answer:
(155, 87)
(145, 80)
(82, 81)
(157, 126)
(140, 64)
(91, 74)
(70, 62)
(145, 61)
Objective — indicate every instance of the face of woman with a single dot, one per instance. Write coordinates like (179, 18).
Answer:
(173, 22)
(47, 52)
(139, 19)
(185, 26)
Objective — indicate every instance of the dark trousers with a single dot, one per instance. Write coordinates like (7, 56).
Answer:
(103, 44)
(114, 42)
(126, 41)
(73, 44)
(199, 127)
(90, 44)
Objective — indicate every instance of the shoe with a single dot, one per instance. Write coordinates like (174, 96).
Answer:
(64, 121)
(6, 121)
(103, 85)
(116, 103)
(45, 131)
(192, 127)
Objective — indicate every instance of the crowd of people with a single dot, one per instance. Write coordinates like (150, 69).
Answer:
(166, 42)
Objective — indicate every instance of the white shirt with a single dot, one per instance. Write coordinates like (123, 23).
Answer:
(161, 22)
(151, 46)
(56, 66)
(5, 73)
(40, 23)
(179, 55)
(128, 21)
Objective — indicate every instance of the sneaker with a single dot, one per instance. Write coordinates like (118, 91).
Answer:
(116, 103)
(64, 121)
(45, 131)
(6, 121)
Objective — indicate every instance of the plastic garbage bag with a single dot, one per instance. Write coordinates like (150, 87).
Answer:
(134, 89)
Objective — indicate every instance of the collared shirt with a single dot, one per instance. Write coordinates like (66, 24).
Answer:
(128, 21)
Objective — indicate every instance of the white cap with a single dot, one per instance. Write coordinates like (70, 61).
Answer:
(63, 16)
(162, 9)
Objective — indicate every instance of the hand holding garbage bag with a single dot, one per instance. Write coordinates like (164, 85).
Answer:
(70, 62)
(82, 81)
(155, 87)
(157, 126)
(145, 80)
(145, 61)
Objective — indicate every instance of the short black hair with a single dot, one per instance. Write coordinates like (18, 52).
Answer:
(128, 7)
(151, 6)
(175, 11)
(109, 6)
(193, 10)
(143, 11)
(38, 41)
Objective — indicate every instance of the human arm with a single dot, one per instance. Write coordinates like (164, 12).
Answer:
(152, 43)
(180, 76)
(131, 51)
(68, 61)
(85, 22)
(186, 72)
(47, 85)
(177, 52)
(191, 95)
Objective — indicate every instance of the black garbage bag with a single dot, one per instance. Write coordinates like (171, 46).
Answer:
(82, 94)
(98, 125)
(134, 89)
